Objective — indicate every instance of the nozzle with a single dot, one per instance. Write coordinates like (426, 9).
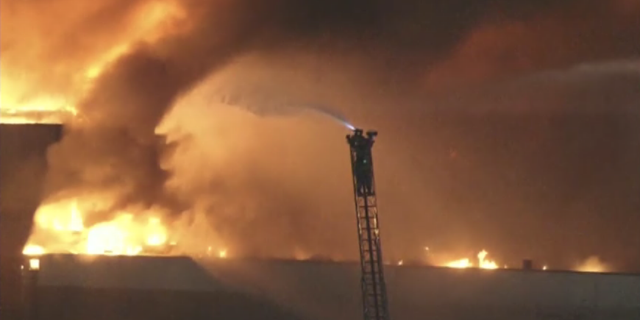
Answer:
(358, 138)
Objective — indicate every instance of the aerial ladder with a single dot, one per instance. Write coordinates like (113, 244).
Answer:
(374, 291)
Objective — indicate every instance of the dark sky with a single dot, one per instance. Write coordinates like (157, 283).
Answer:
(505, 125)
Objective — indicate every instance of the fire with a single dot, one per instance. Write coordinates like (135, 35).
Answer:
(75, 224)
(592, 264)
(151, 23)
(24, 100)
(34, 264)
(41, 109)
(460, 264)
(60, 227)
(33, 250)
(483, 263)
(222, 253)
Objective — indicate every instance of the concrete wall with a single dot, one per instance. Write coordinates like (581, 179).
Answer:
(316, 290)
(22, 170)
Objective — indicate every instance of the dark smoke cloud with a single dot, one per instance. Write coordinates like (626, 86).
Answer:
(127, 102)
(417, 70)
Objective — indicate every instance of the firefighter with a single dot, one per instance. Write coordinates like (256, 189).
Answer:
(363, 169)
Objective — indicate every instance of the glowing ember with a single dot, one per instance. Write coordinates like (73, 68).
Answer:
(222, 254)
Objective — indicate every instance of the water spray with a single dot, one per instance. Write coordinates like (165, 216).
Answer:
(349, 125)
(285, 109)
(332, 114)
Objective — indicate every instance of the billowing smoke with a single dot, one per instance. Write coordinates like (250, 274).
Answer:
(119, 112)
(466, 96)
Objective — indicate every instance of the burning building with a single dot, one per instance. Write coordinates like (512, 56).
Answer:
(522, 184)
(111, 277)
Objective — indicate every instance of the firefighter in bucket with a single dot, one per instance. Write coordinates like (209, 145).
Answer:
(362, 166)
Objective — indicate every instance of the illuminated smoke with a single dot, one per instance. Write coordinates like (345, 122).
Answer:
(592, 264)
(586, 72)
(266, 187)
(627, 66)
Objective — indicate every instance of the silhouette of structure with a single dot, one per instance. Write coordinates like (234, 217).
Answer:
(374, 291)
(23, 166)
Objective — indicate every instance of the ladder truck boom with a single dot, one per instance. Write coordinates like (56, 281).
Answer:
(374, 291)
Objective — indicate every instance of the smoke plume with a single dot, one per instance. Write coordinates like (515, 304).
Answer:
(466, 95)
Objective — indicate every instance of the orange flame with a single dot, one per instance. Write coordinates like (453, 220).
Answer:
(22, 101)
(33, 250)
(460, 264)
(60, 228)
(483, 263)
